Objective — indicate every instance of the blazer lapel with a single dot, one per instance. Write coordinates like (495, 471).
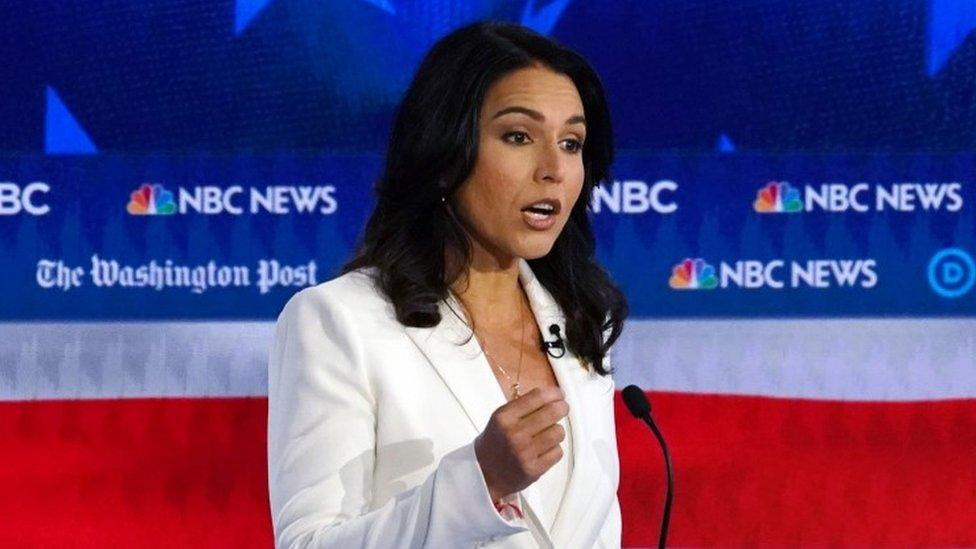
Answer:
(585, 478)
(455, 354)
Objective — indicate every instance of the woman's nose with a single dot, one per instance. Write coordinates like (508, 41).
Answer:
(551, 164)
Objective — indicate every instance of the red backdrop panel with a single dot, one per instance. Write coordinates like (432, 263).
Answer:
(750, 472)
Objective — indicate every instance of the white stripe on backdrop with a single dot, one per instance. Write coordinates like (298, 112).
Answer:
(84, 360)
(851, 359)
(826, 359)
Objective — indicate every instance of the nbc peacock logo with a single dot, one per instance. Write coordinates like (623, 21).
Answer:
(151, 199)
(778, 197)
(693, 274)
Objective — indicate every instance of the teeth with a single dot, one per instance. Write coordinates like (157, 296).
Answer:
(544, 206)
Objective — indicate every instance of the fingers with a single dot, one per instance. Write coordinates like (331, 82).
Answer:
(522, 440)
(550, 458)
(542, 453)
(534, 399)
(548, 438)
(542, 407)
(545, 416)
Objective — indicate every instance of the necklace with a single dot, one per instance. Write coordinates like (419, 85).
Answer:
(518, 373)
(514, 384)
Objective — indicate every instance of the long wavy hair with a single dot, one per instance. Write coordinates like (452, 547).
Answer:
(432, 150)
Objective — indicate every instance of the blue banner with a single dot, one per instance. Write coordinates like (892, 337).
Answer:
(138, 237)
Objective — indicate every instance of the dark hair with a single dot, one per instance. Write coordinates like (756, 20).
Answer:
(433, 148)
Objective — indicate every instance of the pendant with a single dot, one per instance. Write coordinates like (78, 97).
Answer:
(515, 389)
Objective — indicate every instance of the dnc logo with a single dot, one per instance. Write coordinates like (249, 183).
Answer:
(778, 197)
(952, 273)
(151, 200)
(693, 274)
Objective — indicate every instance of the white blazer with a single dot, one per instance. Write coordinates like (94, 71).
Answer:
(371, 427)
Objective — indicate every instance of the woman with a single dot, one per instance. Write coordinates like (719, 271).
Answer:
(414, 401)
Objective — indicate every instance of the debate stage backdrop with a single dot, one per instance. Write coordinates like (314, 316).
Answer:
(791, 216)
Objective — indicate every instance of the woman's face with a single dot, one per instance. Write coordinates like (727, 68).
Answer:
(529, 170)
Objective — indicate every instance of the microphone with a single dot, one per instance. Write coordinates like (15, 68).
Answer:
(558, 345)
(639, 407)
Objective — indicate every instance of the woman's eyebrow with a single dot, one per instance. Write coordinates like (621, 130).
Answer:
(536, 115)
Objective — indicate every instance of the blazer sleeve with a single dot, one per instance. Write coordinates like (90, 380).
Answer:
(321, 446)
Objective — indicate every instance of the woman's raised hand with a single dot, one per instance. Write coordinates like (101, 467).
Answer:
(521, 441)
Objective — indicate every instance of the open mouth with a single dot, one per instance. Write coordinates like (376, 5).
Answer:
(542, 208)
(541, 215)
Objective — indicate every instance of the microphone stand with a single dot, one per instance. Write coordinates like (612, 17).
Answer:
(636, 401)
(666, 518)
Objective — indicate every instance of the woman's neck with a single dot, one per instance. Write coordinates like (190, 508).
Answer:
(490, 290)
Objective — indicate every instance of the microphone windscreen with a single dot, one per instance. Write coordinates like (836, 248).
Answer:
(636, 401)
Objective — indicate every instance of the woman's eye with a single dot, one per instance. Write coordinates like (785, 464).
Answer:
(573, 145)
(516, 137)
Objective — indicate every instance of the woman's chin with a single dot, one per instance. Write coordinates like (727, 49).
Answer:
(537, 249)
